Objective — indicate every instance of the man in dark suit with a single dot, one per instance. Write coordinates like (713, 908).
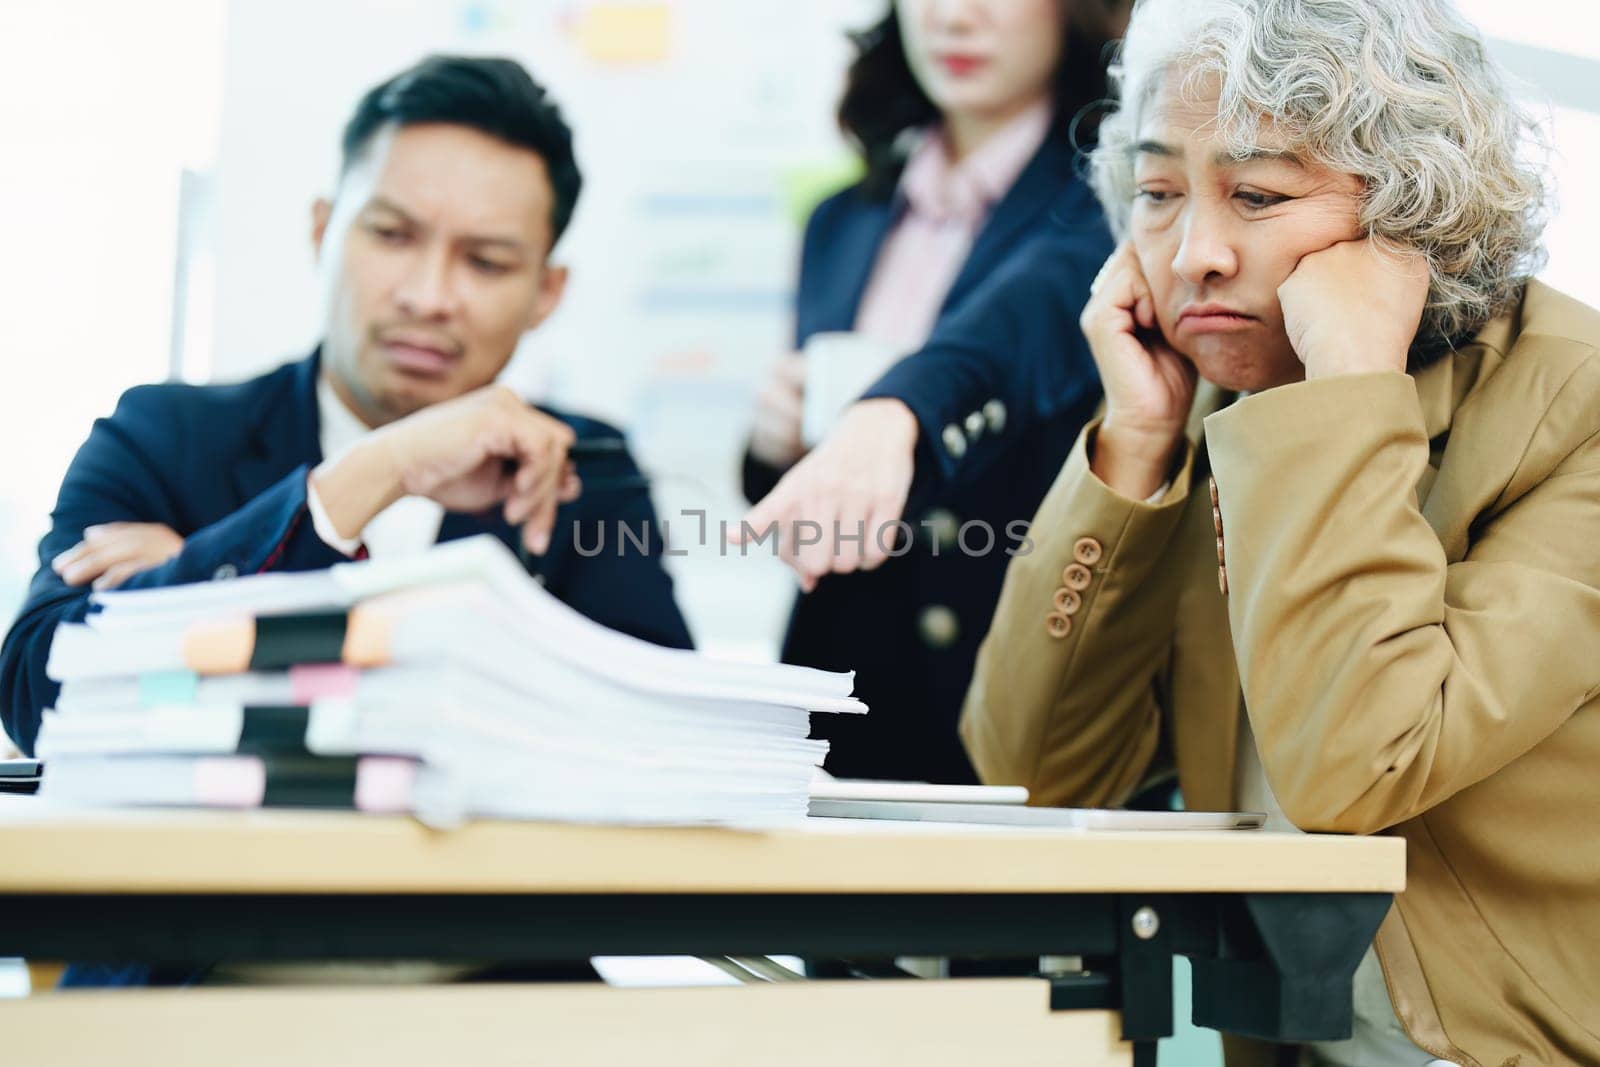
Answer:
(458, 178)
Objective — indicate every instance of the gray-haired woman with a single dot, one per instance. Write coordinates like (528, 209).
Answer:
(1332, 545)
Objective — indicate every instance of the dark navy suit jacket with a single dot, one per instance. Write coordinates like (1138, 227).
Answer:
(1001, 390)
(225, 466)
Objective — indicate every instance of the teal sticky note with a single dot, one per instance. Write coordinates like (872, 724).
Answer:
(168, 687)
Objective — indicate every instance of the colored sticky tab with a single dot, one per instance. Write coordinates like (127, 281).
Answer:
(384, 784)
(311, 682)
(168, 687)
(230, 781)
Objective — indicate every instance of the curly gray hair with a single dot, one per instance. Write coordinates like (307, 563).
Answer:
(1399, 93)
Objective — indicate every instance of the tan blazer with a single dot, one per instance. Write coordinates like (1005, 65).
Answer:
(1413, 623)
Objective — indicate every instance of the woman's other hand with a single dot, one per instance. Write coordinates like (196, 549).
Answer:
(775, 436)
(1354, 307)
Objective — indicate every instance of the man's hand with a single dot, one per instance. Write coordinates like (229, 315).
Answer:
(1354, 308)
(775, 436)
(855, 481)
(113, 552)
(1149, 387)
(485, 449)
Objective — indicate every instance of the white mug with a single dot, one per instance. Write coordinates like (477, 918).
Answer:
(840, 366)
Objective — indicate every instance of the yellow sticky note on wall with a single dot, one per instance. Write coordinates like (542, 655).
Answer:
(624, 33)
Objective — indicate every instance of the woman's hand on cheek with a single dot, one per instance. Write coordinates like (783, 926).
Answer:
(1149, 387)
(1354, 308)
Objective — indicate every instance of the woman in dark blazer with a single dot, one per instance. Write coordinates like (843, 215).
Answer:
(966, 116)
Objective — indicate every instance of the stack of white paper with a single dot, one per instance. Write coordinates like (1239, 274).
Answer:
(448, 684)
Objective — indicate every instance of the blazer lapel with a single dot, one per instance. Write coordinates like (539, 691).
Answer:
(1040, 185)
(840, 279)
(286, 432)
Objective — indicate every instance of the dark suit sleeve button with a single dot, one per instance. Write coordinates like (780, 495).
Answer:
(954, 441)
(994, 413)
(938, 626)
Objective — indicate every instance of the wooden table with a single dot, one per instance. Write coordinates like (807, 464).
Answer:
(188, 887)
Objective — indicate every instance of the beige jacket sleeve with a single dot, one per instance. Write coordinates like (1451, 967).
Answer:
(1380, 675)
(1074, 716)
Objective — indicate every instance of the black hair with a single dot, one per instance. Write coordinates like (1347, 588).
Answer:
(497, 97)
(882, 99)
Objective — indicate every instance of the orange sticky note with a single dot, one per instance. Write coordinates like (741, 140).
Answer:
(624, 34)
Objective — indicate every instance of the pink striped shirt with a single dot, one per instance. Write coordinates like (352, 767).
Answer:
(946, 205)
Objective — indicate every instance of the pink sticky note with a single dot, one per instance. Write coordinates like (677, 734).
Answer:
(230, 781)
(311, 682)
(384, 783)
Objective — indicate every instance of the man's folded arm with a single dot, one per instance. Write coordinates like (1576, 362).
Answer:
(123, 473)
